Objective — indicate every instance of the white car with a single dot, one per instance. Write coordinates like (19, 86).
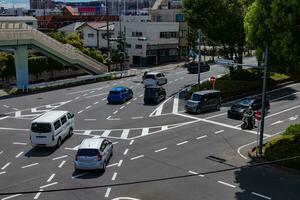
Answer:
(155, 79)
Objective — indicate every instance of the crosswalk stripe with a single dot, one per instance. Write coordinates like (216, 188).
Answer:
(106, 133)
(125, 134)
(175, 103)
(145, 131)
(164, 128)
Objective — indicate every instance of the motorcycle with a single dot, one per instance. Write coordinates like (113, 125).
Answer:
(248, 120)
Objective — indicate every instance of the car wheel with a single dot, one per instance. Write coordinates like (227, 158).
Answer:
(58, 142)
(104, 167)
(70, 132)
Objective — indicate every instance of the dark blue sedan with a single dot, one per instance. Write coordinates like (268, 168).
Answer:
(119, 94)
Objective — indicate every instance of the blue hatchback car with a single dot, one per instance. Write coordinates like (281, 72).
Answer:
(119, 94)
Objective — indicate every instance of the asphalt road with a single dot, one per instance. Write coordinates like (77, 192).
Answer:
(160, 152)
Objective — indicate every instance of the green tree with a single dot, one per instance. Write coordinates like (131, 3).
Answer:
(74, 40)
(59, 36)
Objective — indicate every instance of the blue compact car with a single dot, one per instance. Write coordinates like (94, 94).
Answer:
(119, 94)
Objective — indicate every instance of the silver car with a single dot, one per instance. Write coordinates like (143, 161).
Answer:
(93, 154)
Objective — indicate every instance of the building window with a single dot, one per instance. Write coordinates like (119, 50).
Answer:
(137, 34)
(128, 46)
(173, 52)
(90, 35)
(168, 34)
(138, 46)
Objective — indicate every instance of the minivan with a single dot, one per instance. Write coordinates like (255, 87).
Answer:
(51, 128)
(203, 101)
(155, 79)
(154, 94)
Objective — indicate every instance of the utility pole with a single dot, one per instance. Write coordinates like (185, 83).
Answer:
(107, 34)
(261, 135)
(199, 59)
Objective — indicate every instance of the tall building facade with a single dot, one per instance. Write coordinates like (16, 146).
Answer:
(41, 4)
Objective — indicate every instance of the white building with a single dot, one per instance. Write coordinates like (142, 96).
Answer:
(31, 21)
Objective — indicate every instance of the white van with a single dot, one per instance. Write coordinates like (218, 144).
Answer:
(51, 128)
(154, 79)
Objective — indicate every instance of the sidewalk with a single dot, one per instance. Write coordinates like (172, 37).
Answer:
(3, 93)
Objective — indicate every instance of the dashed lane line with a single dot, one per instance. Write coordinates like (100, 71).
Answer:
(107, 192)
(10, 197)
(129, 102)
(79, 111)
(80, 175)
(38, 194)
(139, 117)
(20, 143)
(31, 165)
(62, 164)
(5, 166)
(159, 150)
(48, 185)
(115, 112)
(6, 106)
(220, 131)
(120, 163)
(135, 99)
(260, 195)
(89, 119)
(103, 99)
(137, 157)
(50, 178)
(3, 172)
(201, 137)
(125, 152)
(1, 152)
(277, 122)
(227, 184)
(88, 107)
(114, 176)
(60, 157)
(192, 172)
(96, 103)
(19, 154)
(131, 142)
(181, 143)
(122, 107)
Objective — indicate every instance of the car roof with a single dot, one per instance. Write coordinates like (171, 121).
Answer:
(50, 116)
(153, 73)
(91, 143)
(203, 92)
(118, 88)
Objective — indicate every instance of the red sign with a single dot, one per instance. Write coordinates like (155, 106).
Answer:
(212, 79)
(258, 115)
(86, 9)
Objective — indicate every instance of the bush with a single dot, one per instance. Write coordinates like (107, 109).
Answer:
(292, 130)
(244, 75)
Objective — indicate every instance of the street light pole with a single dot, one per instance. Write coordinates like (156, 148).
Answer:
(261, 135)
(199, 59)
(107, 34)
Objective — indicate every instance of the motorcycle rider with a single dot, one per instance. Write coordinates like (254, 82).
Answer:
(248, 120)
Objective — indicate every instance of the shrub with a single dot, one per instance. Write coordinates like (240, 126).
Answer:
(292, 130)
(243, 75)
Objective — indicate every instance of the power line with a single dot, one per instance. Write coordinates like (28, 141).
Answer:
(150, 180)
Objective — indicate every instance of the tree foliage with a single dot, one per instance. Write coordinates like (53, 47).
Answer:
(276, 24)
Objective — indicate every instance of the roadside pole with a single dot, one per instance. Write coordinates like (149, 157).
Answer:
(199, 59)
(261, 135)
(107, 34)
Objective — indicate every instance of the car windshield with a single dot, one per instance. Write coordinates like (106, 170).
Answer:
(87, 152)
(196, 97)
(245, 102)
(150, 76)
(41, 127)
(114, 92)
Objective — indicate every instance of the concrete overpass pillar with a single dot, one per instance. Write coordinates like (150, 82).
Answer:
(21, 64)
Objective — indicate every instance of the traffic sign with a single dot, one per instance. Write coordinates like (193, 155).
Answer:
(258, 115)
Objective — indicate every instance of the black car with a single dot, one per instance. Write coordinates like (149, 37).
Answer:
(192, 67)
(238, 109)
(154, 94)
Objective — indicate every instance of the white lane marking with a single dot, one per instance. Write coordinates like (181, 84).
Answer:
(192, 172)
(129, 102)
(10, 197)
(159, 150)
(159, 109)
(87, 132)
(20, 143)
(135, 99)
(175, 103)
(15, 108)
(108, 117)
(77, 98)
(260, 195)
(164, 128)
(85, 95)
(278, 122)
(141, 95)
(1, 118)
(220, 131)
(48, 185)
(114, 176)
(96, 102)
(6, 165)
(19, 154)
(137, 157)
(89, 119)
(1, 152)
(125, 134)
(227, 184)
(131, 142)
(38, 194)
(88, 107)
(111, 165)
(294, 118)
(122, 107)
(61, 164)
(92, 92)
(107, 192)
(50, 178)
(106, 133)
(283, 111)
(6, 106)
(26, 166)
(115, 112)
(181, 143)
(80, 111)
(83, 91)
(145, 131)
(79, 175)
(215, 116)
(139, 117)
(203, 136)
(57, 158)
(115, 142)
(175, 80)
(125, 152)
(283, 97)
(18, 114)
(103, 99)
(96, 95)
(2, 172)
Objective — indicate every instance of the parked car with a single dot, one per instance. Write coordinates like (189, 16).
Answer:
(155, 79)
(154, 94)
(119, 94)
(93, 154)
(192, 67)
(51, 128)
(238, 109)
(203, 101)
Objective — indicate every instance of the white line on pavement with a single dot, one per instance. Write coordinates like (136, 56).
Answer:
(77, 98)
(1, 118)
(106, 133)
(125, 134)
(26, 166)
(50, 178)
(79, 175)
(96, 102)
(145, 131)
(82, 91)
(131, 142)
(88, 107)
(64, 156)
(115, 142)
(48, 185)
(141, 95)
(20, 143)
(164, 128)
(80, 111)
(192, 172)
(129, 102)
(159, 109)
(115, 112)
(159, 150)
(175, 103)
(139, 117)
(283, 97)
(103, 99)
(10, 197)
(19, 154)
(260, 195)
(6, 165)
(283, 111)
(137, 157)
(277, 122)
(89, 119)
(135, 99)
(220, 131)
(181, 143)
(2, 172)
(107, 192)
(122, 107)
(85, 95)
(61, 164)
(227, 184)
(215, 116)
(111, 165)
(96, 95)
(114, 176)
(6, 106)
(15, 108)
(38, 194)
(126, 151)
(203, 136)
